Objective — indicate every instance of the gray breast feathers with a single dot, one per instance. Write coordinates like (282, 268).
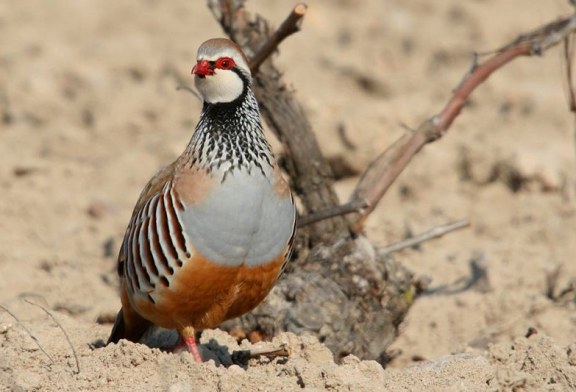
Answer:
(242, 221)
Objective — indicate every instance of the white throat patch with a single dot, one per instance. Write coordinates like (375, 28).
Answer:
(222, 86)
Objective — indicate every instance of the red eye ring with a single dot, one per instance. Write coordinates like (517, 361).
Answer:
(225, 63)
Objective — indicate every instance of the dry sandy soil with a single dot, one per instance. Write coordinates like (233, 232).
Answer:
(89, 111)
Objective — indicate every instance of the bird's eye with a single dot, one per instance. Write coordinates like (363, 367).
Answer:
(225, 63)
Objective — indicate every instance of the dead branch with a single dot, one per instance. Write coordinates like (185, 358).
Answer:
(385, 169)
(257, 352)
(569, 61)
(348, 208)
(34, 338)
(61, 329)
(432, 233)
(290, 26)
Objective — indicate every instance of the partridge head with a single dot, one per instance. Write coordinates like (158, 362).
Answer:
(211, 232)
(222, 72)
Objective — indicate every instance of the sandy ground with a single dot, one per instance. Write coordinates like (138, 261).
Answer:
(89, 111)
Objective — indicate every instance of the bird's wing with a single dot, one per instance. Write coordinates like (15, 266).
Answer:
(153, 188)
(129, 324)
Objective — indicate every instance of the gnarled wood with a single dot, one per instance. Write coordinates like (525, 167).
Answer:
(339, 288)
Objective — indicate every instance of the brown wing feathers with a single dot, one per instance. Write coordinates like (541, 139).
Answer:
(142, 259)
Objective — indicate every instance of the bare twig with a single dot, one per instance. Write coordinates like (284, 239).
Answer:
(290, 26)
(344, 137)
(190, 90)
(568, 58)
(62, 329)
(434, 232)
(27, 331)
(348, 208)
(385, 169)
(268, 352)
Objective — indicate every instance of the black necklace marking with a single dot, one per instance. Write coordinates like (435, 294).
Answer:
(230, 134)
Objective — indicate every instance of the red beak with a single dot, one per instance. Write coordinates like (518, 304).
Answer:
(203, 68)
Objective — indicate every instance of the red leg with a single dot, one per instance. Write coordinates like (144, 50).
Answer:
(188, 337)
(193, 348)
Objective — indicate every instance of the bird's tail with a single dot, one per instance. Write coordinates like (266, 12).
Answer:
(132, 330)
(129, 324)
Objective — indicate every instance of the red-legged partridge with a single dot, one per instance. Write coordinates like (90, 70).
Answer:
(212, 232)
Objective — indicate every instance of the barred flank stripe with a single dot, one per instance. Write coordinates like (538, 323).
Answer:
(143, 276)
(164, 233)
(160, 256)
(154, 242)
(145, 249)
(180, 242)
(176, 197)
